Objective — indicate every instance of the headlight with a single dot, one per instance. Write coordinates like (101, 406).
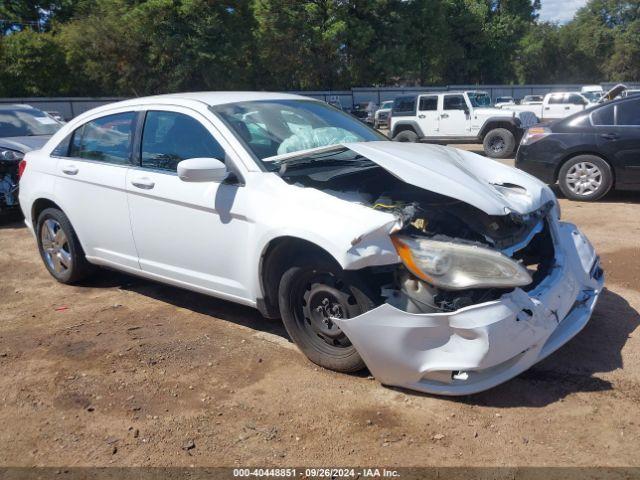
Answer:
(455, 267)
(6, 154)
(534, 134)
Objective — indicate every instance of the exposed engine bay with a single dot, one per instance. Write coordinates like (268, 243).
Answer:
(424, 214)
(8, 184)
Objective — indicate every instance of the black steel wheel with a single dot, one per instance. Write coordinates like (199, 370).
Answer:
(311, 294)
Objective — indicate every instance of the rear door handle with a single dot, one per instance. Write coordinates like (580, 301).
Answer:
(444, 115)
(421, 116)
(144, 183)
(70, 169)
(610, 136)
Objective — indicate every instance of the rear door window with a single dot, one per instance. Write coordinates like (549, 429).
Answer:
(556, 98)
(105, 139)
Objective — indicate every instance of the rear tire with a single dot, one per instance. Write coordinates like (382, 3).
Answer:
(312, 291)
(499, 143)
(60, 248)
(585, 178)
(406, 136)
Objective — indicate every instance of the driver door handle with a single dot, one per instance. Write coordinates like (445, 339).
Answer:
(421, 116)
(444, 115)
(143, 183)
(70, 169)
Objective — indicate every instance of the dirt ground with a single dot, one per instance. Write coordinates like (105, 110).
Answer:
(122, 371)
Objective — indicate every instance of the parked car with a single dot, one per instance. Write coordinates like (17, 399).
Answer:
(555, 105)
(504, 101)
(381, 117)
(22, 129)
(439, 270)
(364, 111)
(593, 93)
(587, 153)
(458, 117)
(532, 100)
(56, 115)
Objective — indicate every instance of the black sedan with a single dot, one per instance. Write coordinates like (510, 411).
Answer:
(587, 153)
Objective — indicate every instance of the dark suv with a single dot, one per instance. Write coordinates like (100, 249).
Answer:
(587, 153)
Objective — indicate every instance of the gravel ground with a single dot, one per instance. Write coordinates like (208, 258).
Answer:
(122, 371)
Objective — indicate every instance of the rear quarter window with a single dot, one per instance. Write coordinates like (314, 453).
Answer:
(404, 106)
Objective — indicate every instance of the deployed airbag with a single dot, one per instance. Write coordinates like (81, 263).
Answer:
(306, 138)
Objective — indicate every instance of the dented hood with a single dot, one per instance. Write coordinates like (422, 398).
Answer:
(492, 187)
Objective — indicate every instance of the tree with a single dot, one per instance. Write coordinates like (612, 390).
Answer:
(32, 64)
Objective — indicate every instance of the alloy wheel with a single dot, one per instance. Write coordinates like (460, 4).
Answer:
(584, 178)
(55, 245)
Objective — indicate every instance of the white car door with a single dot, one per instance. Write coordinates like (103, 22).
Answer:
(428, 115)
(454, 119)
(574, 103)
(187, 232)
(555, 106)
(92, 168)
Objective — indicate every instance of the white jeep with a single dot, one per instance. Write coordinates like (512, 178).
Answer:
(458, 117)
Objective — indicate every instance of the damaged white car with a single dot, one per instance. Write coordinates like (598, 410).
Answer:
(437, 269)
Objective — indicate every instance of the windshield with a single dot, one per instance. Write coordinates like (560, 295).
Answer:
(479, 99)
(26, 122)
(387, 104)
(592, 96)
(272, 128)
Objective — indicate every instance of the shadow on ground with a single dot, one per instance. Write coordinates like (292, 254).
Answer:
(573, 368)
(197, 302)
(11, 220)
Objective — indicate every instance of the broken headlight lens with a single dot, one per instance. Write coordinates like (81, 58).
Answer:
(456, 266)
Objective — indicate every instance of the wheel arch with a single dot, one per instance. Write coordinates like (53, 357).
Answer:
(492, 124)
(403, 125)
(276, 257)
(39, 205)
(556, 174)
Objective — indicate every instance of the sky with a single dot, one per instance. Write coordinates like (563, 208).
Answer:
(560, 11)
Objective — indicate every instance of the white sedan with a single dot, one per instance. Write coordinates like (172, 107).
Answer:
(437, 269)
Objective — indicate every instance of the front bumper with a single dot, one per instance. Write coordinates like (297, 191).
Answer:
(480, 346)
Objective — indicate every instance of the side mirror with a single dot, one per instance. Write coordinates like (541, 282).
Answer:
(202, 170)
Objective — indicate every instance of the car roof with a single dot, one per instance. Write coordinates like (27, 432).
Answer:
(588, 111)
(212, 98)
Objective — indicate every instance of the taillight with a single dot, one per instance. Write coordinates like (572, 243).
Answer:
(21, 167)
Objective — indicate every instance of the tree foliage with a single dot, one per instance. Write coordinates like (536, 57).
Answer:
(136, 47)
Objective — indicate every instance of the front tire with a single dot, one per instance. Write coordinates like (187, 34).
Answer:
(59, 247)
(406, 136)
(499, 143)
(310, 293)
(585, 178)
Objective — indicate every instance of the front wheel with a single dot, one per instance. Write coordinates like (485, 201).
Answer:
(406, 136)
(585, 178)
(313, 292)
(499, 143)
